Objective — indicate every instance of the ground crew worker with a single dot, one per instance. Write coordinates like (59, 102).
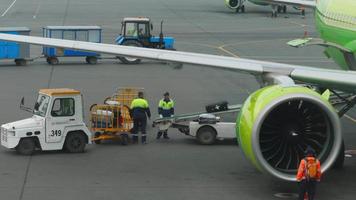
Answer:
(165, 109)
(139, 113)
(309, 173)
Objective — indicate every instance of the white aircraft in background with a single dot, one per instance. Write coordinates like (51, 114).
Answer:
(276, 5)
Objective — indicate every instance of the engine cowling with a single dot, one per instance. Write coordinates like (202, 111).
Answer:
(277, 123)
(233, 4)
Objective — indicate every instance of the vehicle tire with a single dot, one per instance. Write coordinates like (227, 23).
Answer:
(52, 61)
(206, 135)
(20, 62)
(124, 139)
(75, 142)
(91, 60)
(97, 134)
(130, 60)
(339, 162)
(26, 146)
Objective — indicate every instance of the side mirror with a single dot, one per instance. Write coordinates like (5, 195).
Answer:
(23, 107)
(37, 105)
(22, 102)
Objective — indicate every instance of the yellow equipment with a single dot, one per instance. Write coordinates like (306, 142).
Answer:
(112, 120)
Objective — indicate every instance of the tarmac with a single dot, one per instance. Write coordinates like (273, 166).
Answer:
(178, 168)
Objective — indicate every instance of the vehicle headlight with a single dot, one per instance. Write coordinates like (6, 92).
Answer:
(4, 131)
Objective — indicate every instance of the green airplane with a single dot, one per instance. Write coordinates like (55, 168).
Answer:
(239, 6)
(278, 121)
(336, 23)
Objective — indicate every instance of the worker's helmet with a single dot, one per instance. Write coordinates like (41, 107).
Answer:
(309, 151)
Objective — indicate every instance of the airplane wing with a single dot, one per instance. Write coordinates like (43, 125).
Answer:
(305, 3)
(338, 79)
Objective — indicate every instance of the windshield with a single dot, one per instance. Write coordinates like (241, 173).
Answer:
(131, 29)
(41, 105)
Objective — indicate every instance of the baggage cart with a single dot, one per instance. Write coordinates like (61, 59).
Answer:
(111, 120)
(79, 33)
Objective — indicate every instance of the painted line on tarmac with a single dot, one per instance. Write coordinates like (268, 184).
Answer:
(227, 51)
(7, 10)
(37, 10)
(350, 118)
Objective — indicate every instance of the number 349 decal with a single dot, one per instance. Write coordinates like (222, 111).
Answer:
(56, 133)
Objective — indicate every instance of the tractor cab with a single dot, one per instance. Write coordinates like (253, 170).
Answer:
(137, 27)
(136, 31)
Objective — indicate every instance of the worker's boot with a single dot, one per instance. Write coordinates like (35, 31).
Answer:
(134, 139)
(159, 134)
(165, 135)
(143, 139)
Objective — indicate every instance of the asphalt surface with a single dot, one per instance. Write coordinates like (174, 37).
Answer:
(178, 168)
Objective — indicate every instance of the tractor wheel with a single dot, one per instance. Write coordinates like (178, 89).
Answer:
(75, 142)
(206, 135)
(131, 60)
(26, 146)
(52, 61)
(91, 60)
(97, 134)
(20, 62)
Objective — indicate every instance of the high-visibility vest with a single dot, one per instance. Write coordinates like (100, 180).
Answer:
(166, 105)
(139, 103)
(301, 175)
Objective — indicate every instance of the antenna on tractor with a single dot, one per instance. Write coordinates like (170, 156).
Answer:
(161, 35)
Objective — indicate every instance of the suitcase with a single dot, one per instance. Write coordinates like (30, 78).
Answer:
(217, 107)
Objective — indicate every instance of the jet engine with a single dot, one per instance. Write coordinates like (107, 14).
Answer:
(233, 4)
(277, 123)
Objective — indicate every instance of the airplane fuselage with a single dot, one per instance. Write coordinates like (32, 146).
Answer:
(336, 23)
(260, 2)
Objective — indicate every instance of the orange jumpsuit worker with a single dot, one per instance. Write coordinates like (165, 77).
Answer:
(309, 173)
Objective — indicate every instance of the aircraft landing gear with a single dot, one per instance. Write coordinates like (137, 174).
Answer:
(240, 8)
(274, 14)
(275, 9)
(282, 9)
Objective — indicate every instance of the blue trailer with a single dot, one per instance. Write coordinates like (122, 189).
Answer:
(12, 50)
(79, 33)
